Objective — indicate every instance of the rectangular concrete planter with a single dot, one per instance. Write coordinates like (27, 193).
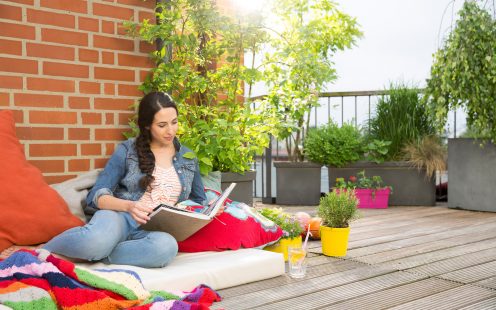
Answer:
(471, 175)
(410, 186)
(298, 183)
(243, 191)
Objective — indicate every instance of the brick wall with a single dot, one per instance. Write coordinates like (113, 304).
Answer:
(69, 73)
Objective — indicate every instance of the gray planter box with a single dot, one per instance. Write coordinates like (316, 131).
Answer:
(410, 186)
(471, 175)
(243, 191)
(298, 183)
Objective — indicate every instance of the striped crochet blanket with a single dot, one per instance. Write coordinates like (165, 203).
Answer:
(32, 280)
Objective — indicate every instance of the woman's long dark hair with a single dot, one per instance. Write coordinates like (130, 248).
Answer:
(149, 105)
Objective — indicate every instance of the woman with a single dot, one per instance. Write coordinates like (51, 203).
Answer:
(141, 174)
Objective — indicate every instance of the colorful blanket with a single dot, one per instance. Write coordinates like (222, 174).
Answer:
(38, 280)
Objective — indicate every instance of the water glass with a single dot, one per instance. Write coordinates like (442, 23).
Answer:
(297, 264)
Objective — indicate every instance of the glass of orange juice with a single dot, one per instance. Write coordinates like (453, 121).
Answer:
(297, 264)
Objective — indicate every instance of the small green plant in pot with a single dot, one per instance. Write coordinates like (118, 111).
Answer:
(337, 210)
(290, 226)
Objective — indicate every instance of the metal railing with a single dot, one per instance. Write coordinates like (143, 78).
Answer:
(356, 107)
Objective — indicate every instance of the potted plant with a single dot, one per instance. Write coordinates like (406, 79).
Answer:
(463, 75)
(388, 148)
(336, 211)
(371, 192)
(201, 67)
(291, 230)
(296, 69)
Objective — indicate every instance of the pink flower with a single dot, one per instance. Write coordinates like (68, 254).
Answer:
(353, 179)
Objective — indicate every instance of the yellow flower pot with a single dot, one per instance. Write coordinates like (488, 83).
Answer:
(334, 240)
(282, 246)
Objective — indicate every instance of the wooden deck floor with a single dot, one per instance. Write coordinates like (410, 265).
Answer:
(398, 258)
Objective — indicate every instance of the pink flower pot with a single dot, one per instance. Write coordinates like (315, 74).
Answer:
(372, 199)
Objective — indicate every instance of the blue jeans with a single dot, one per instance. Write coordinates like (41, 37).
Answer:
(115, 238)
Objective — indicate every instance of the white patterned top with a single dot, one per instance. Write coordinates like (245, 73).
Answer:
(166, 188)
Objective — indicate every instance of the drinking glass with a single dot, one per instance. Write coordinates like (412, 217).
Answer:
(297, 263)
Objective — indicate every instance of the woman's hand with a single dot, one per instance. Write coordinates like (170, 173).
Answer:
(139, 211)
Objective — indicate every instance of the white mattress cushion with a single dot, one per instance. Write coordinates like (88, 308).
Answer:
(215, 269)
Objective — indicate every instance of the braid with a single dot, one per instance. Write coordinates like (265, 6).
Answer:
(146, 159)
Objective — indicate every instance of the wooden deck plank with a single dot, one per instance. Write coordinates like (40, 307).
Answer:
(488, 304)
(306, 286)
(327, 297)
(472, 274)
(489, 283)
(397, 295)
(456, 298)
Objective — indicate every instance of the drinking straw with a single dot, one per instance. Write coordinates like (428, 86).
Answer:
(306, 238)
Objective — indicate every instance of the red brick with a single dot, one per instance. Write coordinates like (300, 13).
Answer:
(4, 99)
(66, 86)
(18, 116)
(11, 47)
(100, 162)
(109, 148)
(146, 47)
(145, 4)
(125, 117)
(69, 70)
(49, 18)
(79, 165)
(129, 90)
(89, 88)
(49, 117)
(49, 165)
(112, 11)
(108, 58)
(18, 65)
(113, 43)
(10, 82)
(109, 118)
(109, 89)
(40, 133)
(121, 30)
(29, 2)
(91, 118)
(52, 150)
(91, 149)
(79, 134)
(50, 51)
(79, 6)
(135, 61)
(143, 75)
(53, 179)
(88, 55)
(114, 74)
(64, 37)
(142, 15)
(108, 27)
(79, 102)
(17, 31)
(10, 12)
(88, 24)
(113, 104)
(38, 100)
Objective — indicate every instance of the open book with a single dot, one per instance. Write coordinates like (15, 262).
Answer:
(182, 223)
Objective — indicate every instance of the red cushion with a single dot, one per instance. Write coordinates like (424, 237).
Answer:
(240, 226)
(30, 211)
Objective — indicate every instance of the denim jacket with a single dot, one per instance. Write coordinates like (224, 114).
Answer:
(121, 176)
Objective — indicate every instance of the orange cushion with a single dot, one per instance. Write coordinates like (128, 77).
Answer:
(30, 211)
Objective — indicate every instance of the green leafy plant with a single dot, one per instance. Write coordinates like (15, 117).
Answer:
(464, 71)
(333, 145)
(400, 118)
(201, 66)
(288, 223)
(299, 64)
(376, 150)
(338, 210)
(428, 153)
